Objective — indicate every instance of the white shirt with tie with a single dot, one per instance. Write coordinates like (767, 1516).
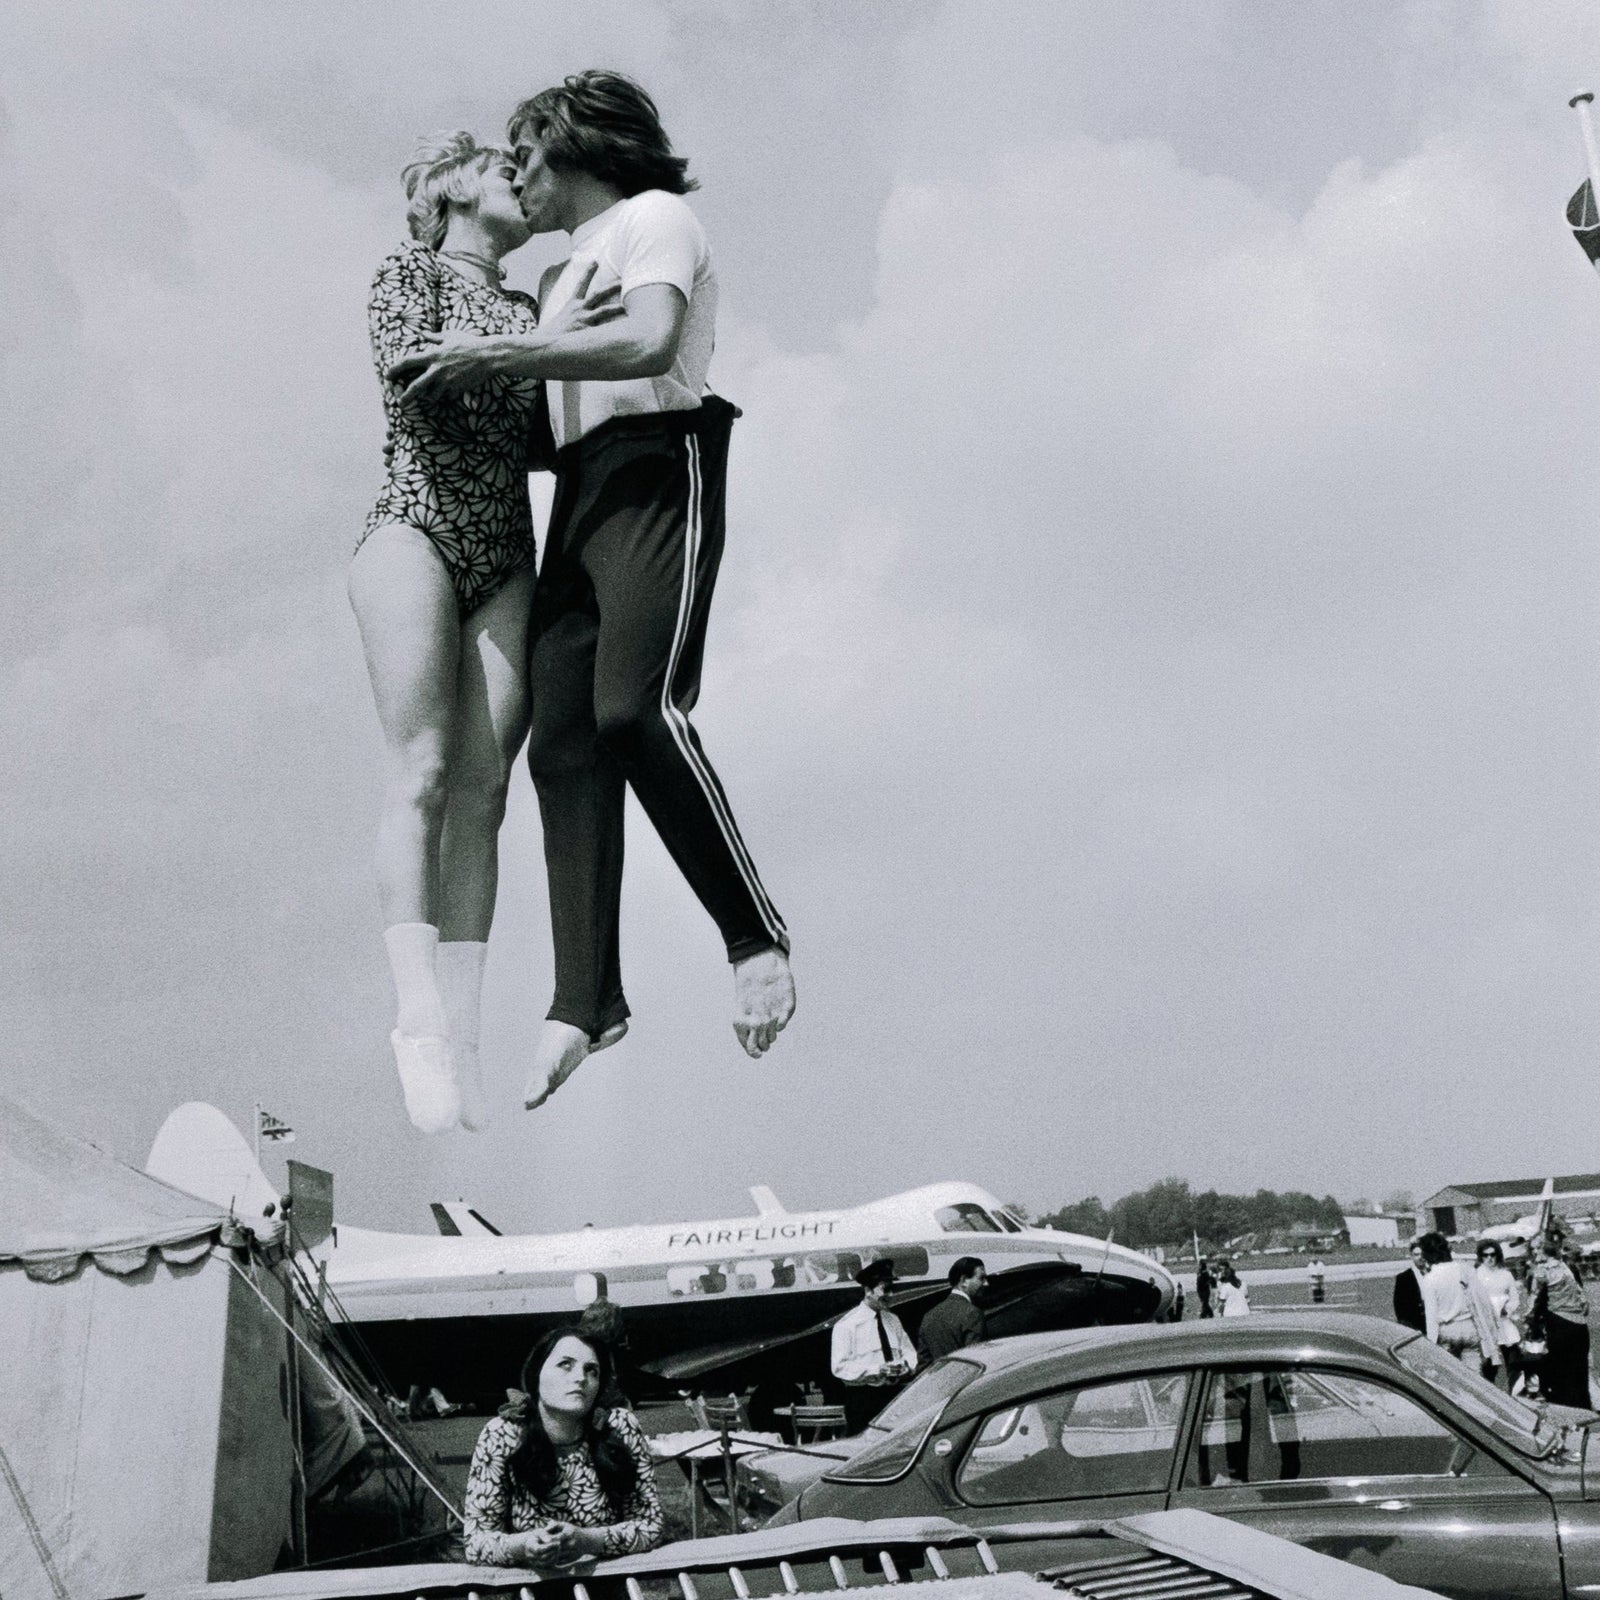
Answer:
(857, 1355)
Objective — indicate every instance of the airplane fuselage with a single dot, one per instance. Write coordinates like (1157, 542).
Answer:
(726, 1304)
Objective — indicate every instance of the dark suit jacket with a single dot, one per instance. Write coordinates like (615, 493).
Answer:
(954, 1322)
(1408, 1301)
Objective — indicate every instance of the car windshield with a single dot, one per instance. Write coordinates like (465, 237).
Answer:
(1519, 1425)
(897, 1433)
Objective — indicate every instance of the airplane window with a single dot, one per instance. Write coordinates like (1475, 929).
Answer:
(753, 1275)
(829, 1268)
(910, 1261)
(965, 1218)
(1102, 1439)
(696, 1280)
(1273, 1427)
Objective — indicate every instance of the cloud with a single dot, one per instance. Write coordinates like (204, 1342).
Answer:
(1151, 661)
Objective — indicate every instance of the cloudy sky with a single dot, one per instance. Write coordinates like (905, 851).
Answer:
(1154, 662)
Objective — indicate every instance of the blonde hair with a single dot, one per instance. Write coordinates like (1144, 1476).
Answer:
(444, 169)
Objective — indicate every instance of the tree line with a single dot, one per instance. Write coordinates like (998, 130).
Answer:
(1170, 1213)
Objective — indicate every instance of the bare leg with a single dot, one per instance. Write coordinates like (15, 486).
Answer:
(490, 723)
(491, 720)
(406, 611)
(763, 999)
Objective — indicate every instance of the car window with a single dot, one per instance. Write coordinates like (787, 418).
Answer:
(897, 1433)
(1100, 1439)
(1275, 1427)
(1511, 1420)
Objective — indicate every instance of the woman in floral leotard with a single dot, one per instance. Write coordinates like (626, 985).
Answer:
(442, 583)
(556, 1477)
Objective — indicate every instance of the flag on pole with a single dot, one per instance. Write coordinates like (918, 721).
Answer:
(273, 1130)
(1583, 216)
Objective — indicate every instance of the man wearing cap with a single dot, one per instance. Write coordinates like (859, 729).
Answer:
(872, 1353)
(956, 1320)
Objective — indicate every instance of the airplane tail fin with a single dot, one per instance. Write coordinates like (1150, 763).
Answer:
(455, 1219)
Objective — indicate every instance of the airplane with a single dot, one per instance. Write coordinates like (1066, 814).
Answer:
(730, 1304)
(740, 1303)
(1520, 1231)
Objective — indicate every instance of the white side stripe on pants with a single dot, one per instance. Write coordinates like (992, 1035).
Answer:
(678, 722)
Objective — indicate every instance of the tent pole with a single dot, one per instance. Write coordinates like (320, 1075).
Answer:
(297, 1482)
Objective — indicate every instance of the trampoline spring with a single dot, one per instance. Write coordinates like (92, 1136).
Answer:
(886, 1561)
(524, 1593)
(634, 1591)
(836, 1567)
(791, 1584)
(686, 1583)
(741, 1589)
(936, 1561)
(579, 1592)
(986, 1556)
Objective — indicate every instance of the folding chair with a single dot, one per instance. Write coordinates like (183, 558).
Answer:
(823, 1422)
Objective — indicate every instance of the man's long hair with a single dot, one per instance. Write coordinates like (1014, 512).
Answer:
(605, 125)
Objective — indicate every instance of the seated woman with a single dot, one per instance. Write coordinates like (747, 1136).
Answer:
(556, 1477)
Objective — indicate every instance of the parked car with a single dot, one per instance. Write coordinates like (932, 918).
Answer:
(1350, 1435)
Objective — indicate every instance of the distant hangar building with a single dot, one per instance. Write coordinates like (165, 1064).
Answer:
(1466, 1208)
(1380, 1227)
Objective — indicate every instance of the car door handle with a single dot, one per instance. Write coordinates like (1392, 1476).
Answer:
(1392, 1505)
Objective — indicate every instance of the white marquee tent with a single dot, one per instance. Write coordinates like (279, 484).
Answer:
(144, 1432)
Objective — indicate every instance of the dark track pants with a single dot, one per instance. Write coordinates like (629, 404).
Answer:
(619, 627)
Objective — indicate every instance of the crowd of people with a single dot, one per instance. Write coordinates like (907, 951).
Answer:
(1524, 1322)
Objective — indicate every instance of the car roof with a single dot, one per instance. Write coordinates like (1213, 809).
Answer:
(1015, 1367)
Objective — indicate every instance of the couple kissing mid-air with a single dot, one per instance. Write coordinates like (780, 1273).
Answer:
(596, 662)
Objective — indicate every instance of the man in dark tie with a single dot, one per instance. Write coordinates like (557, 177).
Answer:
(956, 1320)
(872, 1355)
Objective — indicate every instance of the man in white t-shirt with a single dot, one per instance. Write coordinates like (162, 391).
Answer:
(630, 558)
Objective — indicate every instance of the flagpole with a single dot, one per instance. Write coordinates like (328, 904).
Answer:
(1582, 104)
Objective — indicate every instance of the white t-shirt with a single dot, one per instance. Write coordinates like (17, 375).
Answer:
(649, 238)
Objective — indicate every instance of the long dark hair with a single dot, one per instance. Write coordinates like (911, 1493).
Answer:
(1435, 1248)
(606, 125)
(535, 1465)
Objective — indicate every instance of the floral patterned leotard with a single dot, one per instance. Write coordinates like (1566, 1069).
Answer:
(459, 467)
(498, 1505)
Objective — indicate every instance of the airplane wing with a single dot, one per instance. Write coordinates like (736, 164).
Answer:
(706, 1358)
(695, 1363)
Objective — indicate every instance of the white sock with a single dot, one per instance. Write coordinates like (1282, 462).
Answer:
(413, 948)
(460, 969)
